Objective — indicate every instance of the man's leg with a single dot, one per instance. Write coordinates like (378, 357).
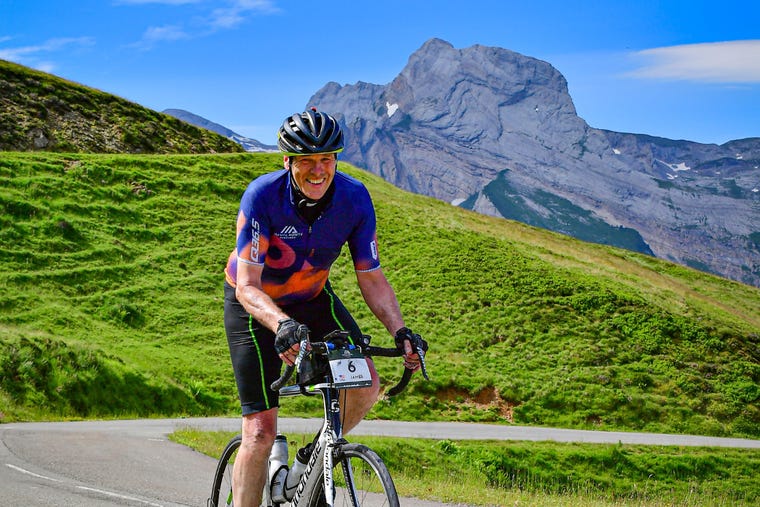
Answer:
(356, 403)
(249, 474)
(255, 364)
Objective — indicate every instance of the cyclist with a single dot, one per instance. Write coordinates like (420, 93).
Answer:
(291, 226)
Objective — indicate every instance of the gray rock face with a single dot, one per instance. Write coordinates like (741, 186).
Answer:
(495, 131)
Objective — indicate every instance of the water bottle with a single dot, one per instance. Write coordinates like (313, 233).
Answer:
(278, 468)
(295, 473)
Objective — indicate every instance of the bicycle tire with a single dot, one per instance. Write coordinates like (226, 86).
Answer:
(361, 467)
(222, 486)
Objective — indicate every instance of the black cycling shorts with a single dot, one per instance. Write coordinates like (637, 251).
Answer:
(254, 359)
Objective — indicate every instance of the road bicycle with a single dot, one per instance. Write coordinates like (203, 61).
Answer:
(329, 472)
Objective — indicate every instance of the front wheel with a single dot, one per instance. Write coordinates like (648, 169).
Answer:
(221, 490)
(361, 480)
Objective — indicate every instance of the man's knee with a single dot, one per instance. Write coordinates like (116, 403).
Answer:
(259, 429)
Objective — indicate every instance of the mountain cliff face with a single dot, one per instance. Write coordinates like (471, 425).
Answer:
(497, 132)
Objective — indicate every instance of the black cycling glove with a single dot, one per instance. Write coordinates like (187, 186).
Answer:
(289, 333)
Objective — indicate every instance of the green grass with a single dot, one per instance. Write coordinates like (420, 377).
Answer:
(548, 473)
(112, 273)
(39, 111)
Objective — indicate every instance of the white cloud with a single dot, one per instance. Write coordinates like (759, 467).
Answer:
(156, 34)
(24, 54)
(164, 2)
(236, 12)
(717, 62)
(232, 14)
(161, 33)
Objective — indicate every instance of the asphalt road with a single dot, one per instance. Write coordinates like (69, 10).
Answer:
(109, 463)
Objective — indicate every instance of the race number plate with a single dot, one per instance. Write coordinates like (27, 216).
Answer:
(349, 369)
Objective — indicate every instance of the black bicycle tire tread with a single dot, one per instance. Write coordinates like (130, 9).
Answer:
(221, 465)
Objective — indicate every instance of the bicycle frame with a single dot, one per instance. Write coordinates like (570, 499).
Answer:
(331, 431)
(316, 485)
(329, 434)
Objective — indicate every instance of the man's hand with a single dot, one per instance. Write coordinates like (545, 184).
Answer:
(407, 341)
(288, 339)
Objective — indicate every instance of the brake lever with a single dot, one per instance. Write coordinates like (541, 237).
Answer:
(421, 354)
(289, 369)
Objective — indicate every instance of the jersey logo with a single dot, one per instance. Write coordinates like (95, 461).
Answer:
(255, 235)
(289, 232)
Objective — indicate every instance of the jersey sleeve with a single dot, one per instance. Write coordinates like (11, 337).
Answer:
(252, 229)
(363, 241)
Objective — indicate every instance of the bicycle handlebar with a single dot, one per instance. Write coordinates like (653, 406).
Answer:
(365, 348)
(407, 376)
(280, 382)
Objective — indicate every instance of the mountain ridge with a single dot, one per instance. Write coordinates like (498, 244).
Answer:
(498, 132)
(249, 144)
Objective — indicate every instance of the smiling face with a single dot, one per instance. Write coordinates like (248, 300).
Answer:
(313, 173)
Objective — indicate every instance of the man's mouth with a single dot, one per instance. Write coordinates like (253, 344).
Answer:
(315, 182)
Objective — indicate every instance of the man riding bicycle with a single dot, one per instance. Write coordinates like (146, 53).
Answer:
(291, 226)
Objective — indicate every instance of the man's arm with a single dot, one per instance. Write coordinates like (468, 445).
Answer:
(381, 299)
(250, 294)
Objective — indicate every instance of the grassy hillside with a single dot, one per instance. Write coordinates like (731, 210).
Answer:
(112, 272)
(39, 111)
(548, 474)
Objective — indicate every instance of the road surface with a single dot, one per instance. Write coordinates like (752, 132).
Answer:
(132, 462)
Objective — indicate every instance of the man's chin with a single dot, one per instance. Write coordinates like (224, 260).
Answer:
(315, 194)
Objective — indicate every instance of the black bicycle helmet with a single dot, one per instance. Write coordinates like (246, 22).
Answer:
(308, 133)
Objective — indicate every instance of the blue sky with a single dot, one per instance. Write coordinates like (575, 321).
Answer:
(676, 69)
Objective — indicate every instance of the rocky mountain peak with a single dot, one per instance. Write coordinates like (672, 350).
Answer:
(437, 64)
(496, 131)
(483, 97)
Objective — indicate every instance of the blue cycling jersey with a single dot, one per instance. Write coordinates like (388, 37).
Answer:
(296, 256)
